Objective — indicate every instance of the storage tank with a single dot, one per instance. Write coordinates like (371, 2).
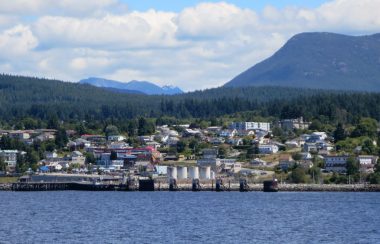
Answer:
(194, 173)
(205, 173)
(172, 173)
(182, 172)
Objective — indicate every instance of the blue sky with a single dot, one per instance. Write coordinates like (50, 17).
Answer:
(178, 5)
(191, 44)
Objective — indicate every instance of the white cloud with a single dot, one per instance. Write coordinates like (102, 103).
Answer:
(214, 19)
(17, 41)
(61, 7)
(134, 30)
(199, 47)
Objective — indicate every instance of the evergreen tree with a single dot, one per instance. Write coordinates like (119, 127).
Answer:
(61, 139)
(352, 166)
(339, 133)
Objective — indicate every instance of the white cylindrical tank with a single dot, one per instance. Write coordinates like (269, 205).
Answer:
(205, 173)
(181, 172)
(212, 175)
(194, 173)
(172, 173)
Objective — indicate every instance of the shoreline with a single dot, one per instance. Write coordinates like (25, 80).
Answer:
(230, 187)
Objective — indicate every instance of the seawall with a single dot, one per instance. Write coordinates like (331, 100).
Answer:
(160, 186)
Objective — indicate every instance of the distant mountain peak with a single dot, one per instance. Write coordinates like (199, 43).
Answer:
(319, 60)
(145, 87)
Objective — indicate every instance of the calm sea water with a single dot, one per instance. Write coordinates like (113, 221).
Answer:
(187, 217)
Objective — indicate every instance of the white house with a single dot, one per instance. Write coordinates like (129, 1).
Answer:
(50, 155)
(268, 149)
(228, 133)
(9, 156)
(116, 138)
(367, 163)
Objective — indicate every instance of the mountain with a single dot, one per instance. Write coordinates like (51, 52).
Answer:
(132, 86)
(319, 60)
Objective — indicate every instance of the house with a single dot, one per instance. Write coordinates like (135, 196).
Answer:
(217, 140)
(258, 162)
(162, 137)
(228, 133)
(291, 124)
(209, 158)
(310, 147)
(214, 129)
(250, 126)
(116, 138)
(118, 145)
(154, 144)
(20, 135)
(50, 155)
(306, 156)
(81, 143)
(319, 136)
(191, 132)
(94, 138)
(235, 141)
(244, 133)
(286, 162)
(367, 163)
(268, 149)
(292, 144)
(306, 164)
(77, 157)
(45, 137)
(145, 139)
(336, 163)
(172, 141)
(104, 160)
(10, 158)
(231, 167)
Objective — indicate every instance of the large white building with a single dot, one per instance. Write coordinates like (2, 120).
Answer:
(250, 126)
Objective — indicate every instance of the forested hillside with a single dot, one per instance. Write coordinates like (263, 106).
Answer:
(22, 97)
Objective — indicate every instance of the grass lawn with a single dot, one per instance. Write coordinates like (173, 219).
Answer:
(8, 179)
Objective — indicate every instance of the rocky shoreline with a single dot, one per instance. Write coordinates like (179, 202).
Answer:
(259, 187)
(5, 187)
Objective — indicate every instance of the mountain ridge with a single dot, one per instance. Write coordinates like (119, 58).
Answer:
(319, 60)
(133, 86)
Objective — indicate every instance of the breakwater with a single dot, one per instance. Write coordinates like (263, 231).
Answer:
(204, 186)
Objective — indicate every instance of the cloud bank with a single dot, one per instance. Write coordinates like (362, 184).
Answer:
(202, 46)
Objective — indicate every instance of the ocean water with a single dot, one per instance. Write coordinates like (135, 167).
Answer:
(189, 217)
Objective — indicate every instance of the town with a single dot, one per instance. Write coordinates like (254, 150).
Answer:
(290, 150)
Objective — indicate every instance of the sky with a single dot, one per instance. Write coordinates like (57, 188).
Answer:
(191, 44)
